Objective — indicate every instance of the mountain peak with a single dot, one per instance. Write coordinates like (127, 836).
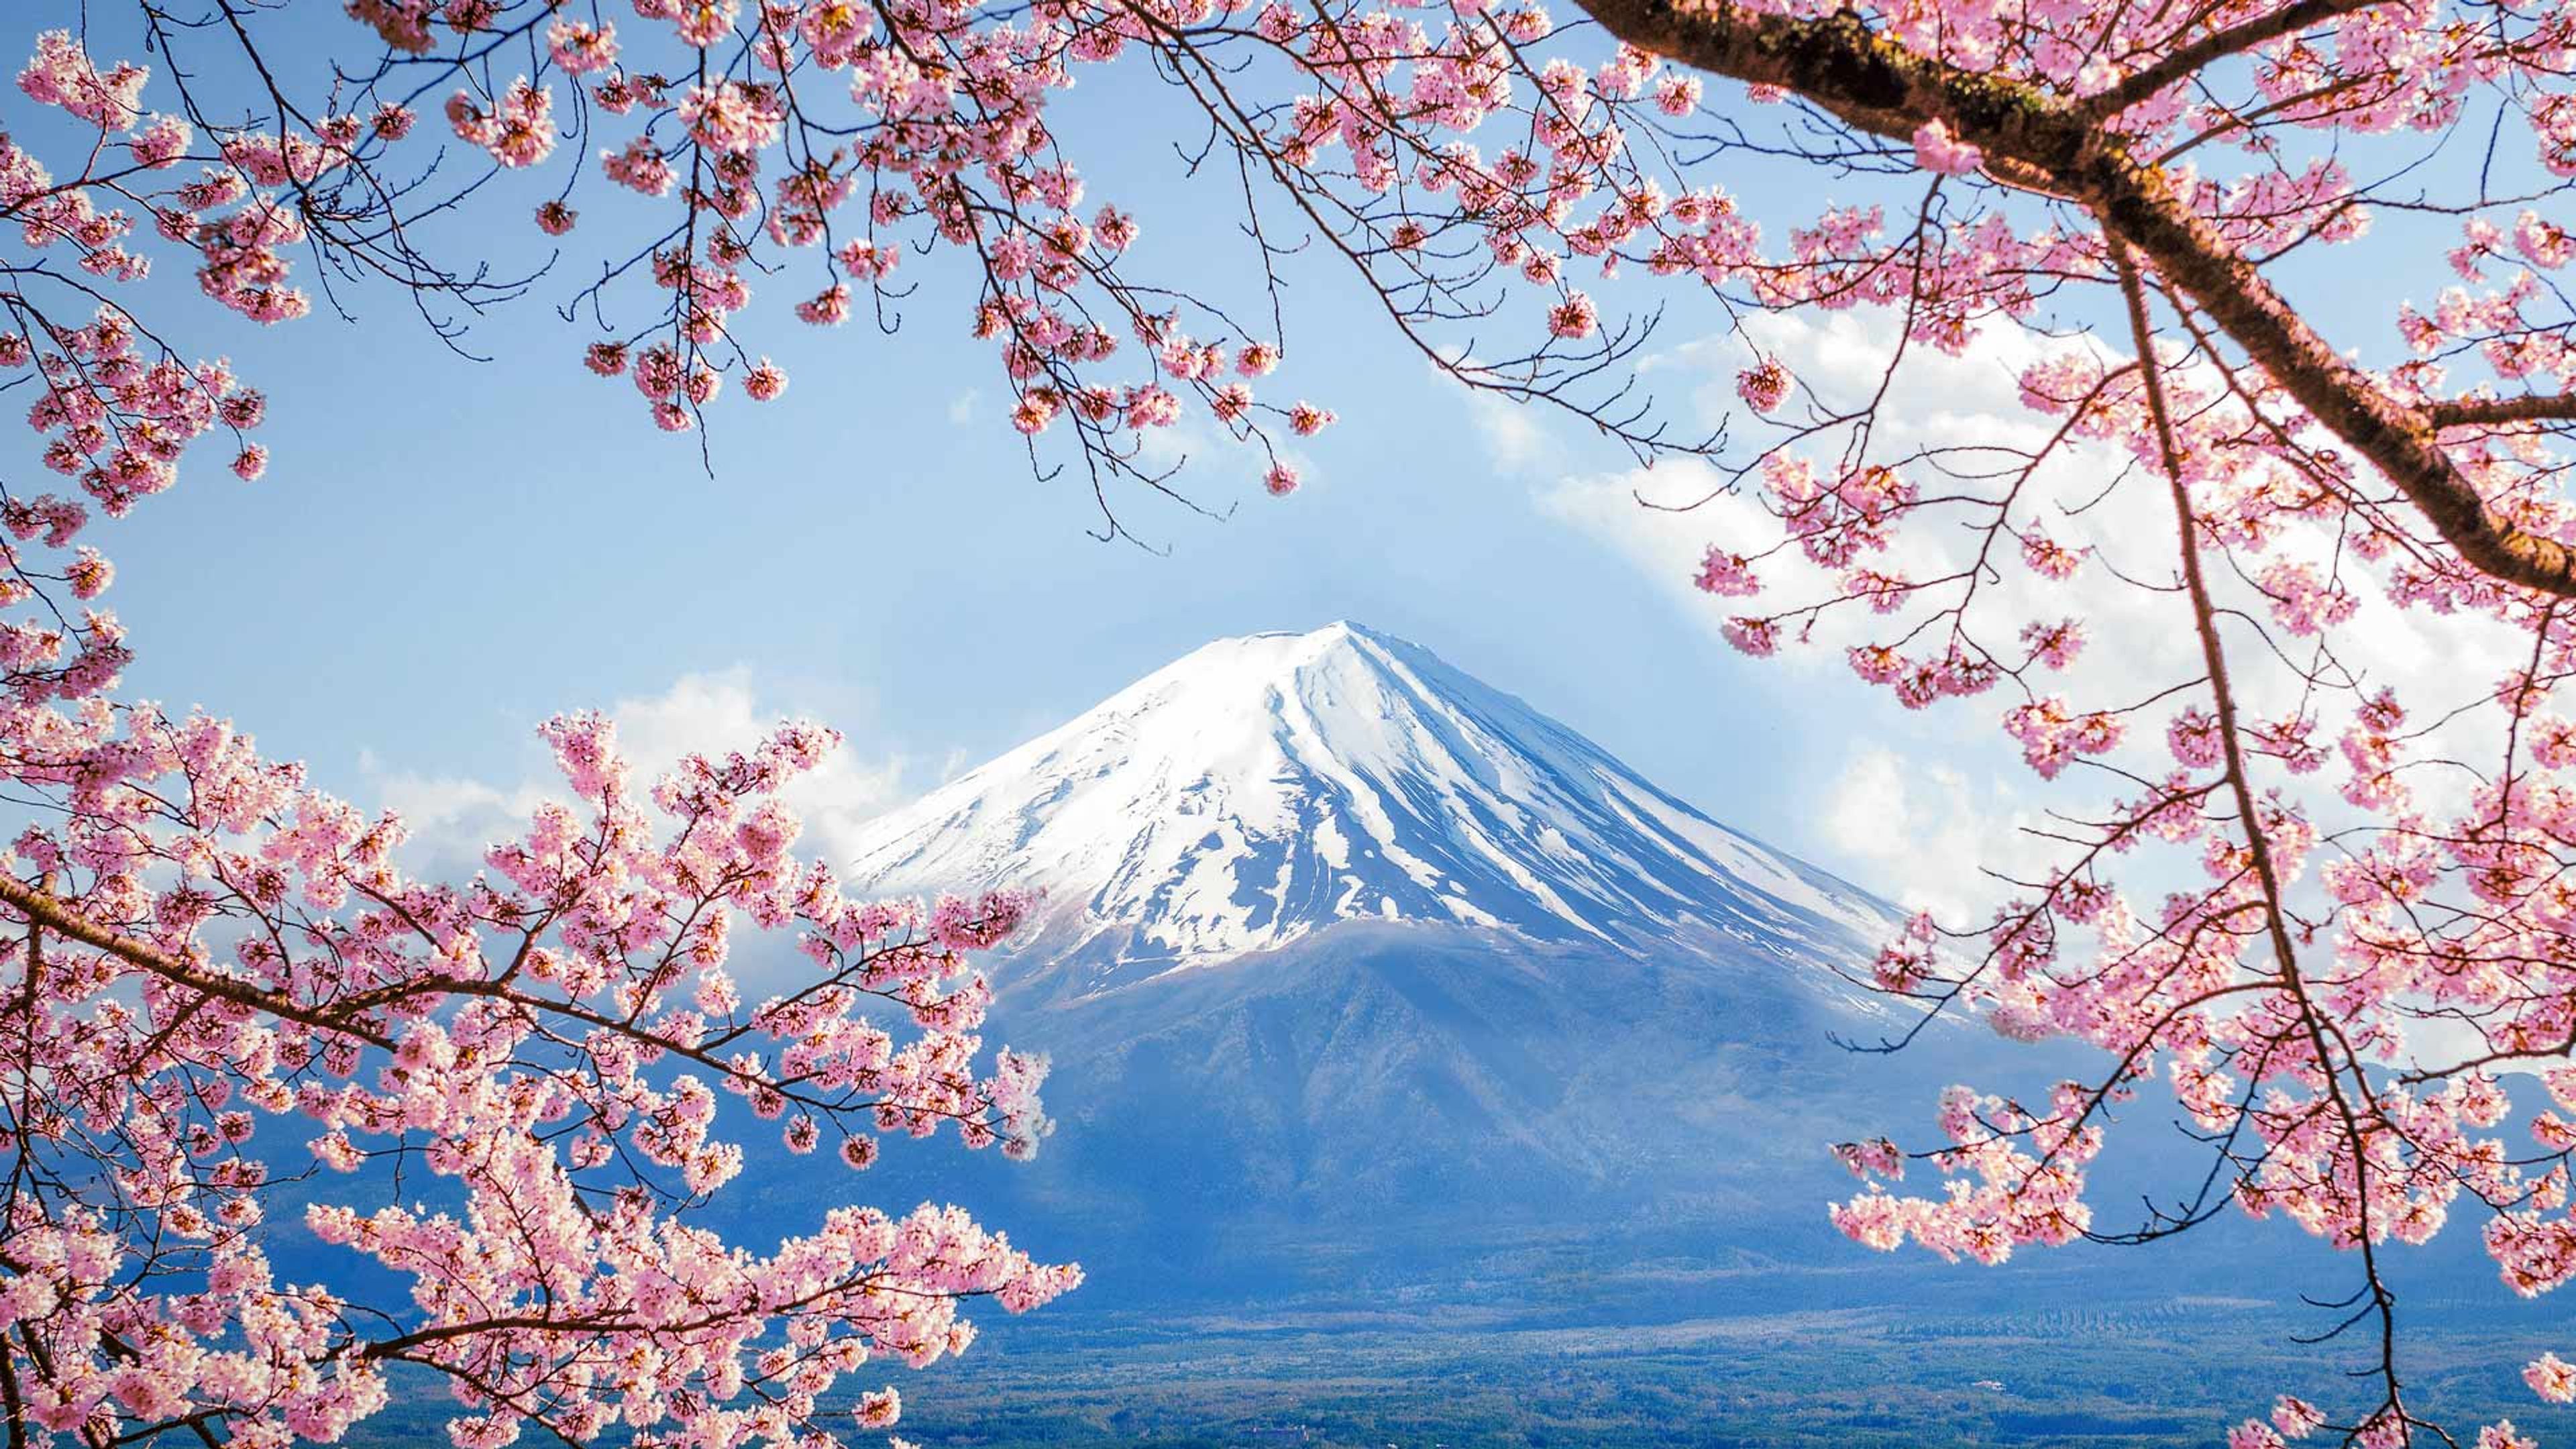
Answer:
(1264, 788)
(1235, 662)
(1337, 631)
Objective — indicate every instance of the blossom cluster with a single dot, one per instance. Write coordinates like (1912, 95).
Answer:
(235, 954)
(2279, 990)
(218, 980)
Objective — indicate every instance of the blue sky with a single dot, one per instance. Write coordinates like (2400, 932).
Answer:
(446, 550)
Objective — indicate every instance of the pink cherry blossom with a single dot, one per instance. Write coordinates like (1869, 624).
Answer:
(2551, 1379)
(1763, 386)
(2190, 583)
(1937, 150)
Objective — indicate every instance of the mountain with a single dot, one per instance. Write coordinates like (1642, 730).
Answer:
(1416, 1060)
(1264, 790)
(1344, 952)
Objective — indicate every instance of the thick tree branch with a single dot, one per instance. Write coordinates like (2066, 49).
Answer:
(2046, 143)
(2491, 412)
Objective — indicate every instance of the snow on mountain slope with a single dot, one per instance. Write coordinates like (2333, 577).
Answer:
(1263, 788)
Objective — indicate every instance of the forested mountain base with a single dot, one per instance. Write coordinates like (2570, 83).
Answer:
(2143, 1374)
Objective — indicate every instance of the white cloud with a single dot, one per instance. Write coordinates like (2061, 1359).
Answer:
(453, 818)
(1940, 401)
(1906, 808)
(963, 407)
(1935, 401)
(1516, 439)
(1929, 831)
(1520, 438)
(715, 713)
(1662, 519)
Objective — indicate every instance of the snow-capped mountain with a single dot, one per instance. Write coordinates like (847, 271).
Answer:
(1357, 972)
(1264, 788)
(1344, 952)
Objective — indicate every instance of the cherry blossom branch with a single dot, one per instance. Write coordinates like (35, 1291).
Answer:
(2037, 142)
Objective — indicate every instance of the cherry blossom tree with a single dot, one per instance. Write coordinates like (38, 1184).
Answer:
(2327, 918)
(211, 954)
(490, 1110)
